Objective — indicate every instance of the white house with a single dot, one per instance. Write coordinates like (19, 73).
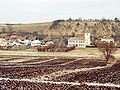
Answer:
(3, 42)
(27, 42)
(36, 43)
(13, 42)
(49, 43)
(107, 39)
(19, 40)
(81, 40)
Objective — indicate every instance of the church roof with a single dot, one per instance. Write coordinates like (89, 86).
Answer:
(78, 37)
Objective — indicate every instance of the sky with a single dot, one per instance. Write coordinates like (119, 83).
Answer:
(35, 11)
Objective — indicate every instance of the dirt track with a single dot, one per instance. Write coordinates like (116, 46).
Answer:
(74, 53)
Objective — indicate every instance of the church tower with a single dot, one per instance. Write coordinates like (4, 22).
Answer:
(87, 39)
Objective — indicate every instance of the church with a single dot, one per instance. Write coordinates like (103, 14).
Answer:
(80, 40)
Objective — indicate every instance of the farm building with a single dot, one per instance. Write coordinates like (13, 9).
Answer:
(81, 40)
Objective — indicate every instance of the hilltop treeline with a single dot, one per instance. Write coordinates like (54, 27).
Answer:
(71, 27)
(103, 27)
(97, 27)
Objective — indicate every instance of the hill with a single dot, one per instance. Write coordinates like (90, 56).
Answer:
(33, 27)
(97, 28)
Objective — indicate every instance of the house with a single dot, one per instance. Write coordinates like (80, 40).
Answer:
(107, 39)
(27, 42)
(5, 36)
(3, 42)
(81, 40)
(13, 43)
(36, 43)
(14, 40)
(49, 43)
(31, 40)
(31, 37)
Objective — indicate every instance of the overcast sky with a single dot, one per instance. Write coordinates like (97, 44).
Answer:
(29, 11)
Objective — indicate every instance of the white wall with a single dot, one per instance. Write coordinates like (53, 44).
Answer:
(107, 40)
(78, 43)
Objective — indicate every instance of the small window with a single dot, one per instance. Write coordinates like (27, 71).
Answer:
(111, 41)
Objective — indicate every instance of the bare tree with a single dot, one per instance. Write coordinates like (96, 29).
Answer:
(9, 29)
(108, 49)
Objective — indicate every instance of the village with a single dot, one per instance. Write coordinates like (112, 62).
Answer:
(19, 42)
